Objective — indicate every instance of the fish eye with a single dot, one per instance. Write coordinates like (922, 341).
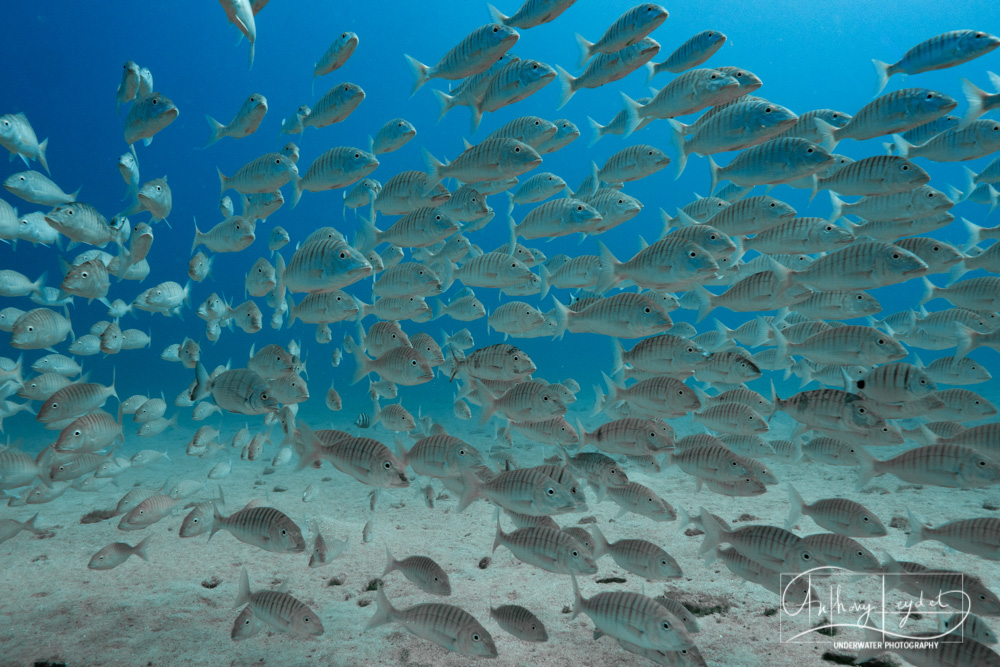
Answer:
(895, 255)
(517, 149)
(264, 396)
(905, 167)
(154, 102)
(666, 625)
(712, 77)
(646, 310)
(772, 205)
(550, 491)
(809, 150)
(930, 96)
(767, 110)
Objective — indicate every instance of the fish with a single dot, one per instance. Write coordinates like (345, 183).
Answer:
(519, 622)
(974, 536)
(149, 115)
(334, 169)
(392, 136)
(448, 626)
(629, 28)
(547, 548)
(241, 14)
(263, 527)
(339, 52)
(693, 52)
(939, 52)
(422, 571)
(35, 187)
(474, 54)
(637, 556)
(531, 13)
(279, 610)
(632, 617)
(263, 174)
(839, 515)
(18, 137)
(117, 553)
(245, 123)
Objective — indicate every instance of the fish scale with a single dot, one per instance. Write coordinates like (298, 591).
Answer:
(847, 345)
(336, 105)
(768, 545)
(623, 315)
(733, 418)
(805, 235)
(947, 465)
(638, 556)
(631, 616)
(74, 400)
(408, 191)
(895, 383)
(630, 435)
(686, 94)
(691, 53)
(662, 396)
(876, 175)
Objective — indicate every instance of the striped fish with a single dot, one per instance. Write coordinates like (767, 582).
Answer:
(634, 497)
(773, 547)
(608, 67)
(263, 527)
(334, 169)
(839, 515)
(407, 191)
(488, 160)
(422, 571)
(266, 173)
(632, 617)
(324, 265)
(524, 490)
(148, 512)
(532, 13)
(842, 551)
(861, 265)
(365, 459)
(335, 106)
(474, 54)
(281, 611)
(627, 29)
(445, 625)
(691, 53)
(516, 81)
(877, 175)
(639, 557)
(950, 466)
(690, 92)
(520, 622)
(547, 548)
(894, 112)
(977, 139)
(775, 161)
(979, 536)
(945, 50)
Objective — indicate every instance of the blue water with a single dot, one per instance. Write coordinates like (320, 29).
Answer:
(61, 64)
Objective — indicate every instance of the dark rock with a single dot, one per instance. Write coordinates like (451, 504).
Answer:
(827, 632)
(362, 602)
(899, 522)
(990, 506)
(269, 471)
(692, 532)
(211, 582)
(484, 562)
(327, 479)
(280, 489)
(335, 581)
(747, 517)
(374, 584)
(588, 519)
(97, 516)
(611, 580)
(770, 611)
(566, 609)
(700, 604)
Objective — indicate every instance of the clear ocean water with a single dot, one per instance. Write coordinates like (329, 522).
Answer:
(61, 64)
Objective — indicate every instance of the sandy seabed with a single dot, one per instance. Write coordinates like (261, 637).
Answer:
(178, 608)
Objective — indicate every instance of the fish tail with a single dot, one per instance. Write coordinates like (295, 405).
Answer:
(216, 127)
(419, 71)
(201, 388)
(30, 524)
(243, 596)
(223, 182)
(714, 170)
(252, 45)
(632, 109)
(917, 527)
(545, 276)
(866, 472)
(477, 116)
(296, 190)
(973, 230)
(367, 237)
(577, 597)
(794, 507)
(930, 291)
(650, 71)
(601, 545)
(609, 266)
(713, 533)
(360, 359)
(882, 71)
(597, 129)
(41, 155)
(434, 167)
(704, 300)
(677, 137)
(499, 538)
(496, 15)
(976, 98)
(966, 340)
(599, 400)
(562, 319)
(903, 147)
(384, 611)
(585, 48)
(838, 208)
(827, 133)
(140, 549)
(488, 401)
(470, 490)
(390, 562)
(446, 101)
(567, 89)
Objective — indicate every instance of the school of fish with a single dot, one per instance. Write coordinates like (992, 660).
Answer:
(410, 259)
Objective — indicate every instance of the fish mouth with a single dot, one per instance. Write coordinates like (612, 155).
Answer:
(915, 272)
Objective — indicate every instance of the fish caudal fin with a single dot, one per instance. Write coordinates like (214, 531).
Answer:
(917, 527)
(882, 71)
(419, 71)
(566, 88)
(216, 127)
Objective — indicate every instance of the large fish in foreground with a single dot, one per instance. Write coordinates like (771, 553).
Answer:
(239, 390)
